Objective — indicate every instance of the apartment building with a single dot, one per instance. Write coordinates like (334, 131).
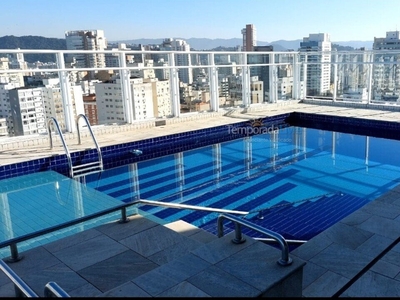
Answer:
(162, 107)
(27, 111)
(387, 73)
(55, 107)
(90, 107)
(111, 108)
(186, 73)
(16, 78)
(31, 107)
(146, 70)
(86, 40)
(113, 59)
(318, 67)
(249, 34)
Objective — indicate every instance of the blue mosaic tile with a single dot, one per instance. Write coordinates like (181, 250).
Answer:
(117, 155)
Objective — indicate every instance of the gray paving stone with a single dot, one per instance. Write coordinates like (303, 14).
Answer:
(325, 286)
(380, 208)
(312, 247)
(218, 283)
(155, 282)
(312, 272)
(372, 284)
(66, 278)
(87, 290)
(119, 231)
(392, 257)
(383, 226)
(342, 261)
(184, 266)
(356, 218)
(32, 260)
(128, 289)
(375, 245)
(222, 248)
(71, 240)
(346, 235)
(386, 268)
(257, 265)
(152, 240)
(7, 290)
(81, 255)
(183, 289)
(175, 251)
(116, 270)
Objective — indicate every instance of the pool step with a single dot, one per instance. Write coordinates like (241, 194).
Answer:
(302, 221)
(233, 197)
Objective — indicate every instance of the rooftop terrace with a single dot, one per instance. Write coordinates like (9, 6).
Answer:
(357, 257)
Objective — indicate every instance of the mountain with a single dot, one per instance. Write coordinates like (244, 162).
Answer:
(356, 44)
(210, 44)
(40, 42)
(33, 42)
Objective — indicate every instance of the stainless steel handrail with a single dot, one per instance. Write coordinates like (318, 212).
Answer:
(62, 140)
(52, 289)
(289, 241)
(12, 243)
(194, 207)
(21, 288)
(92, 134)
(285, 259)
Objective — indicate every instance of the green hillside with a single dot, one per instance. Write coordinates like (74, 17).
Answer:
(33, 42)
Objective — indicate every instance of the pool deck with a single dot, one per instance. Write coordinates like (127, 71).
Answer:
(357, 257)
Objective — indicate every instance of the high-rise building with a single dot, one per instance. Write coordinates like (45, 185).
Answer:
(90, 106)
(390, 42)
(185, 74)
(27, 111)
(30, 107)
(86, 40)
(110, 108)
(249, 37)
(318, 66)
(262, 72)
(386, 75)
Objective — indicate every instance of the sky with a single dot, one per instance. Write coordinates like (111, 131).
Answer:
(343, 20)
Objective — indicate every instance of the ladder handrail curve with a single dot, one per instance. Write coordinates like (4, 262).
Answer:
(62, 140)
(92, 134)
(285, 258)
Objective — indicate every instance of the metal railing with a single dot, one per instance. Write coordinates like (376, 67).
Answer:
(52, 119)
(285, 260)
(90, 165)
(353, 73)
(52, 289)
(12, 243)
(22, 289)
(81, 168)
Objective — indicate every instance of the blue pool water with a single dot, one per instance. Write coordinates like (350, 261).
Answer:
(296, 181)
(304, 179)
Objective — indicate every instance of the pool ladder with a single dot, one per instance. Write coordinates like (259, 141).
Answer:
(82, 169)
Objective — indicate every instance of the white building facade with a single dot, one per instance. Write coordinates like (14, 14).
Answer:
(86, 40)
(318, 67)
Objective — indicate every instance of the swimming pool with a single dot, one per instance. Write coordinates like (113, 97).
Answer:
(297, 181)
(294, 180)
